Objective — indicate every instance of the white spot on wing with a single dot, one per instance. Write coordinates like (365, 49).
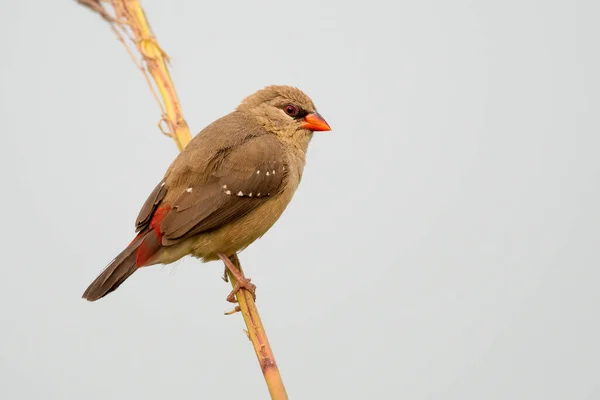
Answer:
(228, 192)
(240, 193)
(267, 173)
(258, 171)
(189, 190)
(273, 172)
(250, 194)
(224, 186)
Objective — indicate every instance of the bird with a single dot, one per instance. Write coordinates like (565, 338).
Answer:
(225, 190)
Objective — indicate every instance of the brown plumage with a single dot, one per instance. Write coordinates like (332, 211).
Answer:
(225, 189)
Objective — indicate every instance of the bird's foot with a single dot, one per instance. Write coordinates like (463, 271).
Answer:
(235, 310)
(225, 277)
(244, 283)
(241, 281)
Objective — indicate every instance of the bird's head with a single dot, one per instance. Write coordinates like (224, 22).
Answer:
(284, 111)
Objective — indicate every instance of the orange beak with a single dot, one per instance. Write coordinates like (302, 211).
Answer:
(315, 122)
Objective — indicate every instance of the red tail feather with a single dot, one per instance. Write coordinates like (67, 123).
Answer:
(152, 243)
(137, 254)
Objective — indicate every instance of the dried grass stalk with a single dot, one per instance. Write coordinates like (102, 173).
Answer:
(128, 21)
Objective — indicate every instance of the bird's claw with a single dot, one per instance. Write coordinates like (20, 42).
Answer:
(235, 310)
(225, 277)
(243, 283)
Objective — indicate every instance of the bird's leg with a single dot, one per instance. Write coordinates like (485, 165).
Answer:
(241, 281)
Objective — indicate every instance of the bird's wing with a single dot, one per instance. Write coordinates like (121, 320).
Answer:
(147, 211)
(243, 179)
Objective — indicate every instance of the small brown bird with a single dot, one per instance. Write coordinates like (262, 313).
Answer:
(224, 190)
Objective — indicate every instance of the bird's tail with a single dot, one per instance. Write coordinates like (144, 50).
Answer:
(139, 251)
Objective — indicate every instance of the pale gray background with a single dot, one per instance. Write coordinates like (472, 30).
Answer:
(443, 244)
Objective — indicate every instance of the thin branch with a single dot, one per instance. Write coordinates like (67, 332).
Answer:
(257, 335)
(130, 21)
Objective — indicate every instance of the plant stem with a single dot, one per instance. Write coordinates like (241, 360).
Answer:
(129, 21)
(258, 337)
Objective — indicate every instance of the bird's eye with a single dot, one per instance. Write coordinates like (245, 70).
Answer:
(291, 110)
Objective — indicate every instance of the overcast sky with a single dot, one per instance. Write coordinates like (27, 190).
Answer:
(443, 243)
